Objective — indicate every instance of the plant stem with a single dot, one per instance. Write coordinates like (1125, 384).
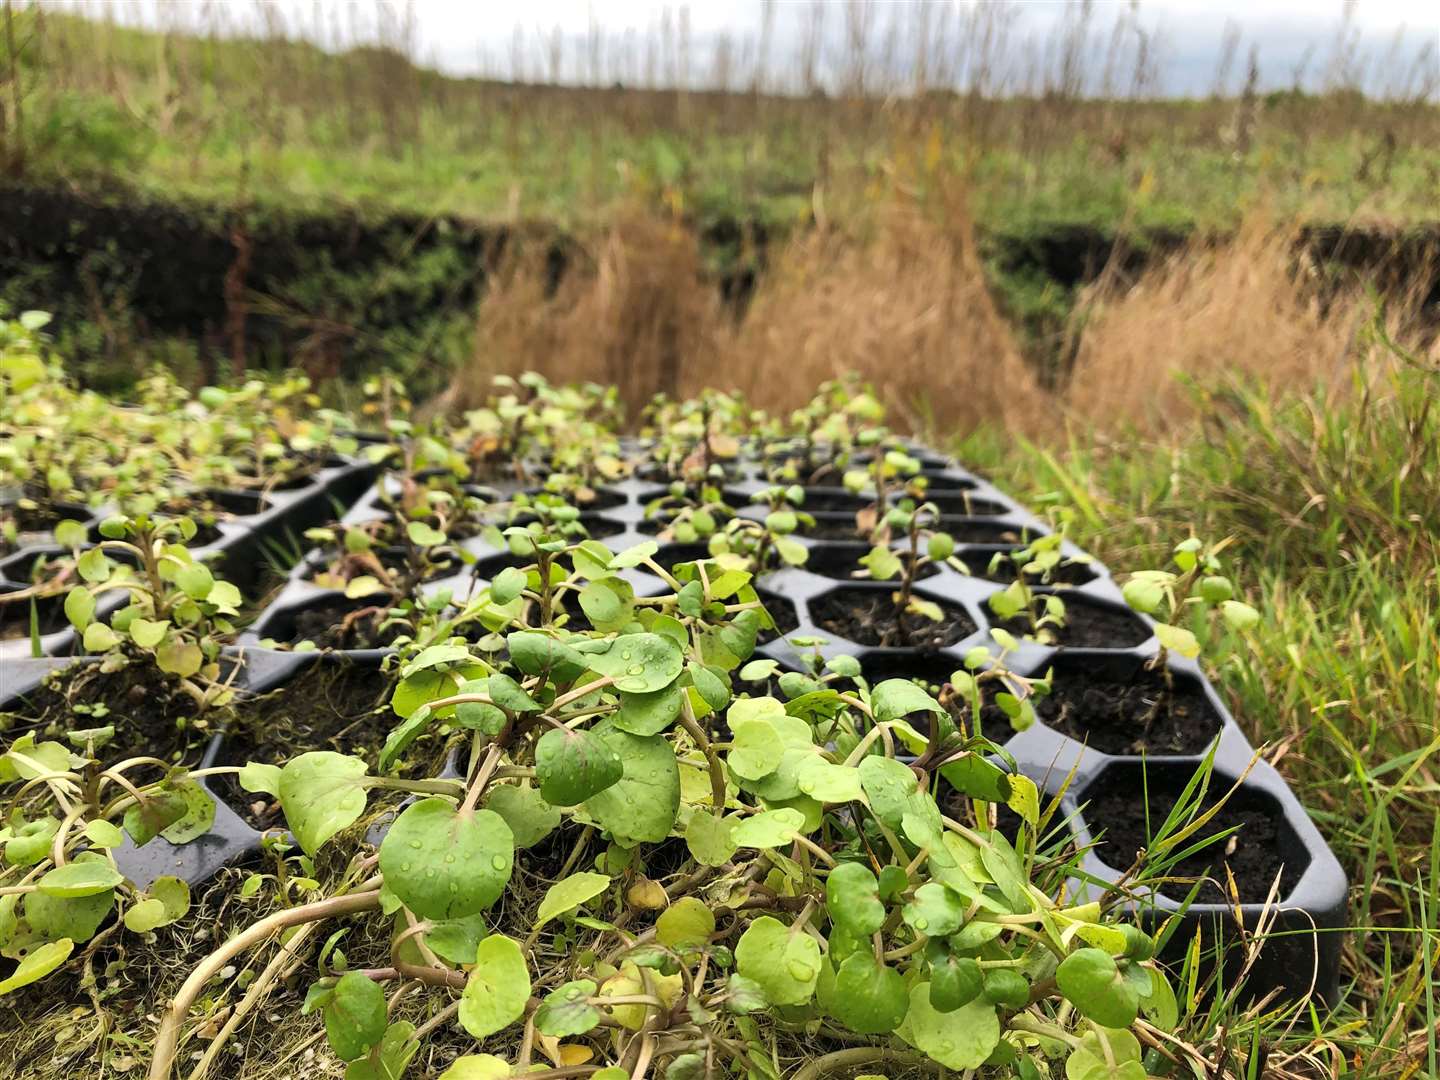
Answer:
(167, 1038)
(863, 1055)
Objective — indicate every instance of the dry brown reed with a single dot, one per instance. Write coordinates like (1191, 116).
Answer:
(1248, 308)
(907, 305)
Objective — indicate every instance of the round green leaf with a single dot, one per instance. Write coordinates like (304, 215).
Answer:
(853, 897)
(148, 633)
(569, 894)
(529, 816)
(80, 607)
(768, 829)
(71, 534)
(76, 918)
(639, 663)
(897, 698)
(648, 714)
(81, 879)
(641, 806)
(507, 585)
(39, 963)
(960, 1039)
(1006, 987)
(457, 939)
(102, 834)
(144, 915)
(195, 580)
(498, 988)
(935, 910)
(355, 1016)
(1091, 981)
(709, 838)
(955, 981)
(446, 865)
(870, 998)
(686, 924)
(571, 766)
(783, 961)
(480, 1067)
(566, 1010)
(321, 793)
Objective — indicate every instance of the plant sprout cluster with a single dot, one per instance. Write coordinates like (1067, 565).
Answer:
(657, 853)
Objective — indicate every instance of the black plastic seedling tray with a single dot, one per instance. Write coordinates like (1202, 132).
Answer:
(238, 545)
(1299, 952)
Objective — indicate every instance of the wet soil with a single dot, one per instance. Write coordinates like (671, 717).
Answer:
(867, 617)
(1139, 715)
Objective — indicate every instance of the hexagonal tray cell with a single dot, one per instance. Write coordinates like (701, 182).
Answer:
(15, 615)
(933, 671)
(964, 504)
(393, 559)
(1089, 623)
(1118, 705)
(829, 525)
(1003, 571)
(834, 500)
(36, 524)
(938, 480)
(151, 716)
(597, 526)
(671, 555)
(601, 498)
(330, 622)
(865, 615)
(782, 611)
(839, 560)
(967, 530)
(1126, 804)
(656, 473)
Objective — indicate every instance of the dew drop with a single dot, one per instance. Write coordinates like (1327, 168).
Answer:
(449, 858)
(498, 862)
(417, 844)
(800, 970)
(454, 888)
(625, 655)
(405, 868)
(636, 669)
(922, 924)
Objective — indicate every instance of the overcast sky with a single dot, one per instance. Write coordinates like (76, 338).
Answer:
(481, 36)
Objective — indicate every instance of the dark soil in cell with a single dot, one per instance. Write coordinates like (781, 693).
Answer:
(150, 715)
(833, 500)
(841, 561)
(1262, 847)
(392, 559)
(35, 524)
(1139, 714)
(933, 673)
(867, 617)
(782, 611)
(591, 498)
(672, 555)
(938, 481)
(1089, 624)
(329, 706)
(1004, 571)
(832, 526)
(599, 528)
(15, 615)
(596, 526)
(964, 505)
(656, 473)
(340, 624)
(967, 530)
(462, 526)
